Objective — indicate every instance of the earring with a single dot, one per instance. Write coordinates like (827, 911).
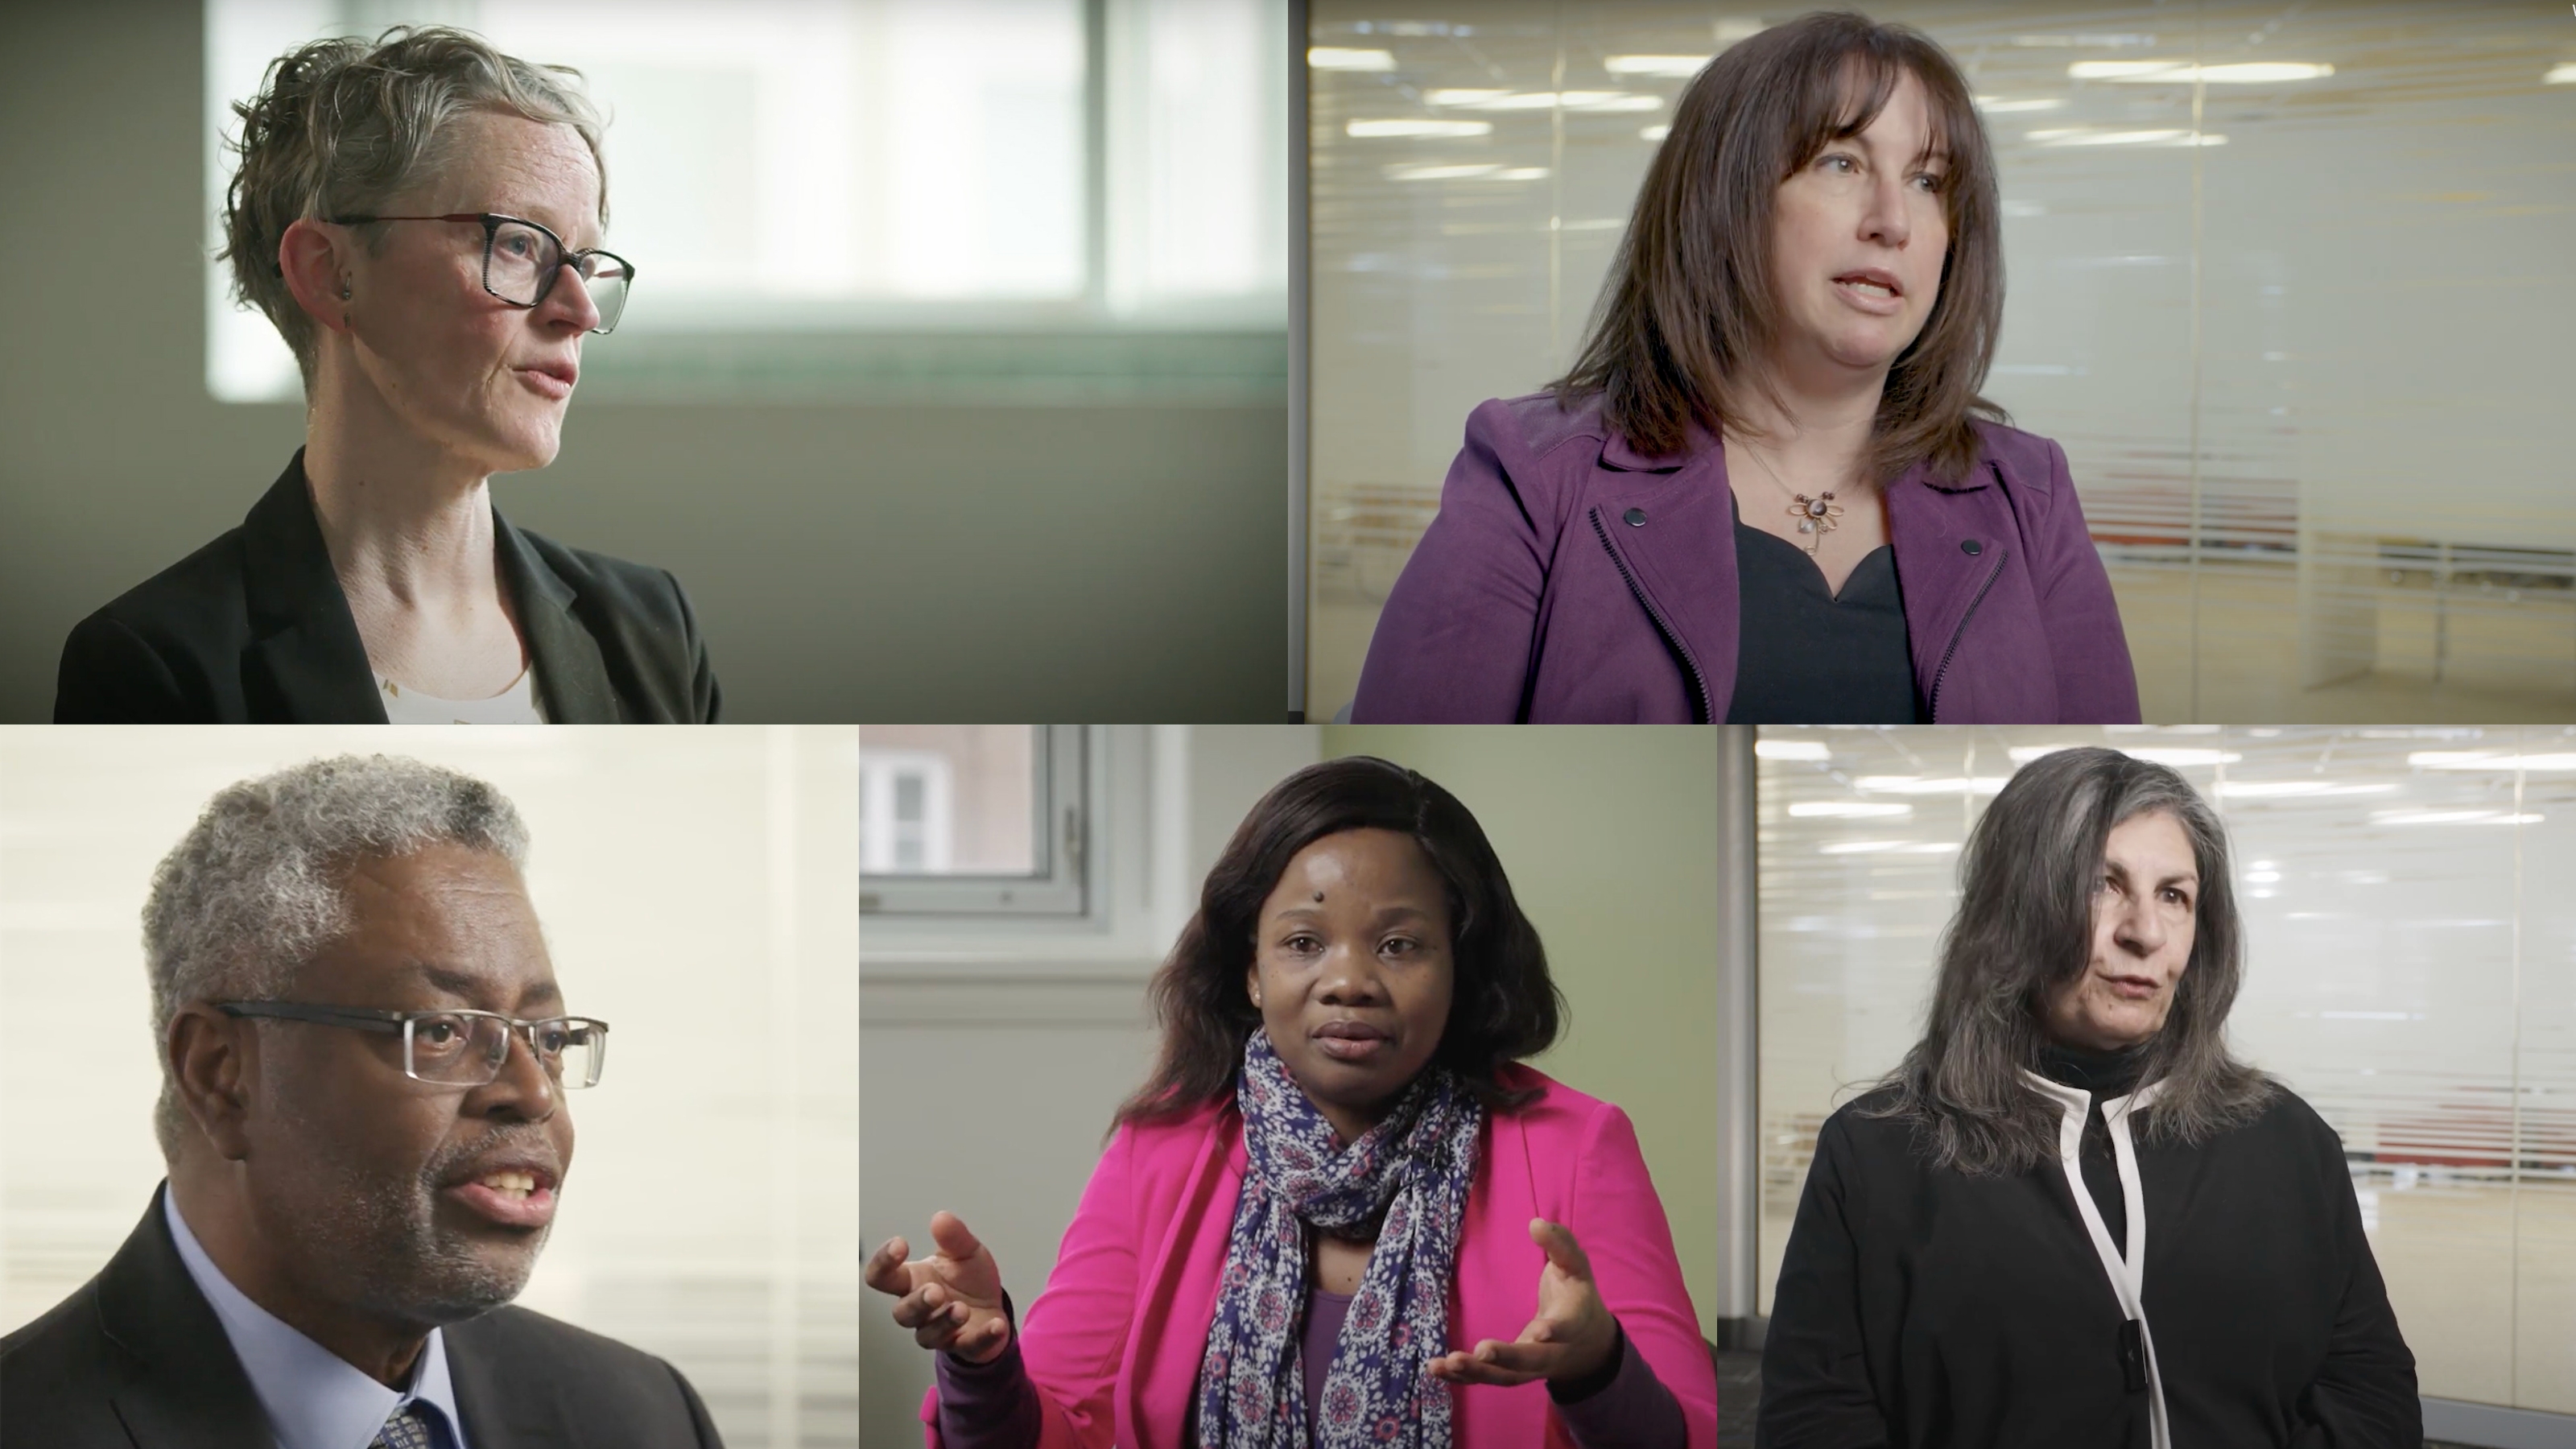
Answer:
(344, 290)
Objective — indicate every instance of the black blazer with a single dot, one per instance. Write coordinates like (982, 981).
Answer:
(137, 1360)
(253, 629)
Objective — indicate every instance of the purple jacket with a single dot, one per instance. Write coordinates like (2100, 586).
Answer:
(1568, 579)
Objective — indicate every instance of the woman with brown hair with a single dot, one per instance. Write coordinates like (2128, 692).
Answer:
(1768, 491)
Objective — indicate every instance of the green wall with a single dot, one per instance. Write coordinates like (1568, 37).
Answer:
(1610, 835)
(885, 563)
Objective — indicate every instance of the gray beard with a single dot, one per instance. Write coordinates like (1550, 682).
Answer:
(383, 1250)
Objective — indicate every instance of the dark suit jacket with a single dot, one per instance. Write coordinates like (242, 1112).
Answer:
(253, 629)
(137, 1360)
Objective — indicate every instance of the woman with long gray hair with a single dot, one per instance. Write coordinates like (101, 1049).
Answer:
(2070, 1215)
(421, 217)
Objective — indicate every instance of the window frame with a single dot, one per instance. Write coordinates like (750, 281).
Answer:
(1060, 886)
(1081, 347)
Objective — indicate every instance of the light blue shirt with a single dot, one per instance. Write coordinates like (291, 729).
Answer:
(315, 1398)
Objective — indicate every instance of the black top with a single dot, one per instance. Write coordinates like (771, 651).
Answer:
(2107, 1076)
(1807, 656)
(136, 1359)
(1922, 1307)
(253, 629)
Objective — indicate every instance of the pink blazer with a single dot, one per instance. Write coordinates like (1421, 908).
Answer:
(1114, 1342)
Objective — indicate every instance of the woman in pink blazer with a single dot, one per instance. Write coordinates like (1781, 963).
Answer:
(1340, 1212)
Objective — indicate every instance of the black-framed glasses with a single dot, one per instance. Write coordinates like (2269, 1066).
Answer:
(460, 1048)
(521, 260)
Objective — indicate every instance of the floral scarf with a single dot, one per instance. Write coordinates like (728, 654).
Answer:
(1409, 1177)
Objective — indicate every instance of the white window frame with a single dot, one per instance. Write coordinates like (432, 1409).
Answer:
(879, 779)
(1058, 885)
(1137, 884)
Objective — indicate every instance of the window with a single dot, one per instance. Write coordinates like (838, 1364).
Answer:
(973, 820)
(1011, 186)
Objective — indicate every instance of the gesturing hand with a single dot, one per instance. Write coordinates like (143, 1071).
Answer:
(1570, 1339)
(951, 1300)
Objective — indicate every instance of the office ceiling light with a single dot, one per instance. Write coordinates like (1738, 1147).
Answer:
(1334, 57)
(1419, 127)
(2082, 137)
(2077, 42)
(1653, 133)
(2183, 759)
(1917, 785)
(2452, 817)
(2178, 758)
(1678, 67)
(2487, 760)
(1440, 173)
(2288, 789)
(1491, 100)
(2166, 72)
(1998, 106)
(1848, 810)
(1791, 750)
(2563, 74)
(1488, 171)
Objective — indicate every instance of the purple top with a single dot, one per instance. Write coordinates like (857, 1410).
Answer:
(1569, 579)
(994, 1406)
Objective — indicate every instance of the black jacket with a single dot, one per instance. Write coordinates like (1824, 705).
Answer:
(253, 629)
(1920, 1307)
(137, 1360)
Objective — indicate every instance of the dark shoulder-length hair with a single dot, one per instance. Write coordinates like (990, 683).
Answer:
(1688, 316)
(2024, 927)
(1504, 1006)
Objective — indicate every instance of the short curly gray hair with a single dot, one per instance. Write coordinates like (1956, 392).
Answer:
(254, 888)
(341, 126)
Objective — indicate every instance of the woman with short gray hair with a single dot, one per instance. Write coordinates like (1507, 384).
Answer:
(2071, 1216)
(420, 216)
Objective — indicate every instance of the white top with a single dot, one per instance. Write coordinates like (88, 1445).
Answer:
(516, 705)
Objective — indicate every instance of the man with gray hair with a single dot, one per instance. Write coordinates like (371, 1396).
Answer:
(364, 1055)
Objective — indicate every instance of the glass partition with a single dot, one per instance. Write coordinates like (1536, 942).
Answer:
(2410, 971)
(2272, 284)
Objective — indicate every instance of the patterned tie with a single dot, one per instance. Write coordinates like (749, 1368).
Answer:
(409, 1428)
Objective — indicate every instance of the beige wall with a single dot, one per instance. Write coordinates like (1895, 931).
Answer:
(847, 562)
(1610, 836)
(989, 1074)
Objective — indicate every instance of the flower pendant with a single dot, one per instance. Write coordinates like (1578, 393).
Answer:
(1816, 517)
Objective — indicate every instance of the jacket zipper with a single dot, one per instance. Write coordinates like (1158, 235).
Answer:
(1933, 705)
(1690, 666)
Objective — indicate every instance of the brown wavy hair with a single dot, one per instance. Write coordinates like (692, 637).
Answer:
(1688, 316)
(1504, 1007)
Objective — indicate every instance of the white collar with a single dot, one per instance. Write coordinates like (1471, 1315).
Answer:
(315, 1399)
